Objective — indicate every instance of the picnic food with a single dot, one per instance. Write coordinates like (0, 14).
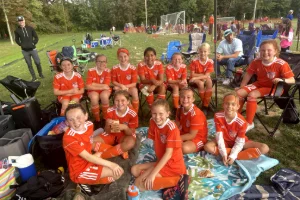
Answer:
(206, 173)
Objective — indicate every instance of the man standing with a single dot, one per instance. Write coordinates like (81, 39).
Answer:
(26, 37)
(229, 53)
(211, 24)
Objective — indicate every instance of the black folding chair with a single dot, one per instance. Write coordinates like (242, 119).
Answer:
(284, 96)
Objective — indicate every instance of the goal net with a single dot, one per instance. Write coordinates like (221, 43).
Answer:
(223, 20)
(173, 23)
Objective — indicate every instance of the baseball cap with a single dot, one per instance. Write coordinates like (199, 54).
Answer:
(20, 18)
(227, 32)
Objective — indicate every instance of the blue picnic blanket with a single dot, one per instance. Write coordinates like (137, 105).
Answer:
(227, 181)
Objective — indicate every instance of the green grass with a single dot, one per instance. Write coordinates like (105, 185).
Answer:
(284, 147)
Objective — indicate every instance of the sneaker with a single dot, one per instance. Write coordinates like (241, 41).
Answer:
(226, 81)
(249, 127)
(86, 189)
(42, 76)
(145, 91)
(33, 79)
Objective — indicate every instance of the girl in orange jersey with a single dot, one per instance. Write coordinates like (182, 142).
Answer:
(176, 77)
(191, 122)
(121, 122)
(67, 85)
(231, 140)
(97, 84)
(151, 75)
(84, 166)
(124, 77)
(168, 149)
(269, 70)
(201, 68)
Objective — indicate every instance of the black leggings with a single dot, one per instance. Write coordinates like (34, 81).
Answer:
(284, 49)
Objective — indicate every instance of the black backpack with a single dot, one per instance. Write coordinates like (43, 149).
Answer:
(46, 184)
(68, 52)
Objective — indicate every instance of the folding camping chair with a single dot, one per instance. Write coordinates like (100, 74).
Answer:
(174, 46)
(116, 40)
(54, 66)
(263, 35)
(20, 88)
(81, 60)
(195, 40)
(284, 95)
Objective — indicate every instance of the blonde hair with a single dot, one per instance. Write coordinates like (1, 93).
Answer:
(204, 45)
(162, 102)
(176, 54)
(232, 93)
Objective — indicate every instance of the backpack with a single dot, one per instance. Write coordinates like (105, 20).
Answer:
(46, 184)
(68, 52)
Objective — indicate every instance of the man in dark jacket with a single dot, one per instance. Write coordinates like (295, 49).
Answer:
(26, 37)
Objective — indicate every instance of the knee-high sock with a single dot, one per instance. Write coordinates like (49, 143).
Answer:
(250, 109)
(104, 110)
(101, 147)
(96, 113)
(165, 182)
(112, 152)
(161, 96)
(207, 96)
(62, 112)
(150, 99)
(135, 105)
(241, 102)
(106, 180)
(246, 154)
(202, 93)
(176, 101)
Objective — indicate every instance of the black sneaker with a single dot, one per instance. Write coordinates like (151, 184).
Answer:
(33, 79)
(42, 76)
(86, 189)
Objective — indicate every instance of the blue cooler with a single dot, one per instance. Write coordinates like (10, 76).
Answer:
(25, 164)
(94, 44)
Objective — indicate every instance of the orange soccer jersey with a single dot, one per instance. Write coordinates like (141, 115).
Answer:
(168, 136)
(236, 128)
(199, 67)
(150, 73)
(176, 74)
(266, 73)
(61, 82)
(194, 119)
(130, 118)
(124, 76)
(74, 143)
(101, 78)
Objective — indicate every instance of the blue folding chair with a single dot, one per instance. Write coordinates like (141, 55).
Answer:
(263, 35)
(174, 46)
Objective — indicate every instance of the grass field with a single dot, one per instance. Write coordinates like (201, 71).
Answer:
(284, 147)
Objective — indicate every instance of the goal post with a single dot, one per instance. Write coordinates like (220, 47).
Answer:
(173, 23)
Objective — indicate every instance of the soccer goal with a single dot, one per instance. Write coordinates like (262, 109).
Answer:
(173, 23)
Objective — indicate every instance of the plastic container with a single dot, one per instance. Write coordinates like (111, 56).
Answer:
(25, 164)
(133, 193)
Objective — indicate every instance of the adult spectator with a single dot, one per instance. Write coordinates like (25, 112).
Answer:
(26, 37)
(211, 24)
(229, 53)
(290, 15)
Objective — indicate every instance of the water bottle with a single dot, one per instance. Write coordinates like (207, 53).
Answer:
(133, 193)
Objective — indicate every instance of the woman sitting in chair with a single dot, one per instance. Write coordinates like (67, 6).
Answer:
(151, 73)
(269, 70)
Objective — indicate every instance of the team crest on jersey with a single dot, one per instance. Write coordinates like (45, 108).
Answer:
(271, 75)
(101, 80)
(163, 138)
(187, 123)
(232, 133)
(75, 85)
(179, 75)
(155, 72)
(128, 77)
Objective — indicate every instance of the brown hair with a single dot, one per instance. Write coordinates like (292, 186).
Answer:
(72, 106)
(149, 49)
(272, 42)
(100, 55)
(161, 102)
(232, 93)
(186, 89)
(122, 92)
(176, 54)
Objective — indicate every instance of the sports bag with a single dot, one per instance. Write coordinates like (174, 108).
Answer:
(68, 52)
(46, 184)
